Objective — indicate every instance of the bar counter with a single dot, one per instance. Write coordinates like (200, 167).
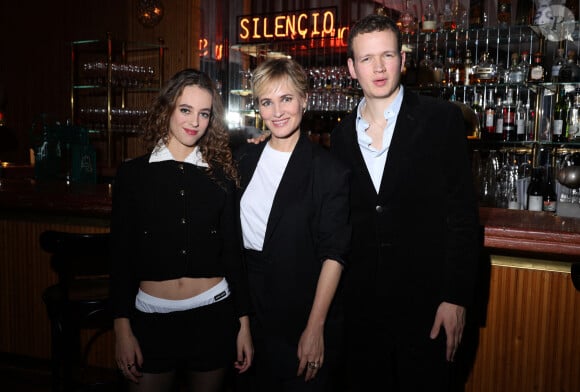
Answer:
(524, 233)
(529, 303)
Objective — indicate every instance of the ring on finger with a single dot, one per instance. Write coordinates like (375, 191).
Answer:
(312, 365)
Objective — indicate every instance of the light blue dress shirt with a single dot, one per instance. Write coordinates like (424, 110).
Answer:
(376, 159)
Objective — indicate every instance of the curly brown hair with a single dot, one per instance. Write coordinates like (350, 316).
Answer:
(214, 144)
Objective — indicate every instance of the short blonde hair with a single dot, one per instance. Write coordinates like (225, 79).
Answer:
(279, 69)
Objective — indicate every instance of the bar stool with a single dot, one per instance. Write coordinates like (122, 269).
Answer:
(78, 301)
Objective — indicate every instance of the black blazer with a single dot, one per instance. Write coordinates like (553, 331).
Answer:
(415, 242)
(308, 223)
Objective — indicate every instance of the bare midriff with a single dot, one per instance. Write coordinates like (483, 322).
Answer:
(181, 288)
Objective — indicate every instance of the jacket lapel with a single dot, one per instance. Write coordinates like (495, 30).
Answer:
(292, 185)
(406, 130)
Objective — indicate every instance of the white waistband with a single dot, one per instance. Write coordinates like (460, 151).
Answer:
(150, 304)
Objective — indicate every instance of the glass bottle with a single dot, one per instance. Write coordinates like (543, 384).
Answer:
(525, 64)
(448, 23)
(498, 135)
(521, 121)
(477, 107)
(537, 70)
(549, 196)
(524, 12)
(459, 72)
(515, 75)
(489, 124)
(429, 22)
(574, 118)
(557, 64)
(475, 14)
(535, 191)
(449, 68)
(486, 71)
(559, 117)
(425, 71)
(570, 71)
(504, 13)
(409, 73)
(437, 67)
(509, 117)
(468, 68)
(407, 20)
(489, 180)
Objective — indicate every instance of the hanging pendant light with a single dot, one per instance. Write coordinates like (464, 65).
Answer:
(150, 12)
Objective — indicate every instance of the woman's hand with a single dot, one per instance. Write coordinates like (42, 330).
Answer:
(259, 139)
(127, 351)
(310, 352)
(245, 346)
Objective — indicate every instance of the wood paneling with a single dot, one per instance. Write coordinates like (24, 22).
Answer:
(531, 339)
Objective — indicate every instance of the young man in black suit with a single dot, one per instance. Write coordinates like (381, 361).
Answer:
(414, 249)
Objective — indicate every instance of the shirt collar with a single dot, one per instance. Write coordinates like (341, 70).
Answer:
(161, 153)
(390, 112)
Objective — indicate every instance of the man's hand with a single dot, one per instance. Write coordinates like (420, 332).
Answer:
(452, 318)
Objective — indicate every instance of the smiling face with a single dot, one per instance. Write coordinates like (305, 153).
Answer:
(189, 120)
(281, 107)
(377, 63)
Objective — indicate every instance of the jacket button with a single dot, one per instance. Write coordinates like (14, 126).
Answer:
(183, 221)
(379, 209)
(182, 192)
(180, 166)
(183, 252)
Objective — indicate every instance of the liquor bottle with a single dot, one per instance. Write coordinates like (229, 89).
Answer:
(448, 23)
(557, 64)
(459, 76)
(515, 72)
(570, 71)
(521, 121)
(486, 71)
(477, 107)
(489, 124)
(524, 12)
(537, 70)
(504, 13)
(409, 73)
(498, 135)
(509, 117)
(437, 68)
(468, 68)
(549, 195)
(429, 22)
(449, 69)
(425, 70)
(559, 120)
(476, 14)
(525, 64)
(574, 118)
(535, 190)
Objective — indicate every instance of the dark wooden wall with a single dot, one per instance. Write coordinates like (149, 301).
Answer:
(35, 52)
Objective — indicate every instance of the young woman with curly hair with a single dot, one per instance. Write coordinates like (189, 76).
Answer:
(179, 294)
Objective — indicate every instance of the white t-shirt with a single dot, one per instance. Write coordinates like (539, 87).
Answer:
(258, 197)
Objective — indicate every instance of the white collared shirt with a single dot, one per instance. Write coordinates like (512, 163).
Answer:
(161, 153)
(376, 159)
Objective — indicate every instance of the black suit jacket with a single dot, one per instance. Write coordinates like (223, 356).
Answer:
(308, 224)
(414, 242)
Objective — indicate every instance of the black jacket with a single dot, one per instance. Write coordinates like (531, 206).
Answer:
(308, 224)
(415, 242)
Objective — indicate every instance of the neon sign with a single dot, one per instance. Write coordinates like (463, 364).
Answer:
(297, 25)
